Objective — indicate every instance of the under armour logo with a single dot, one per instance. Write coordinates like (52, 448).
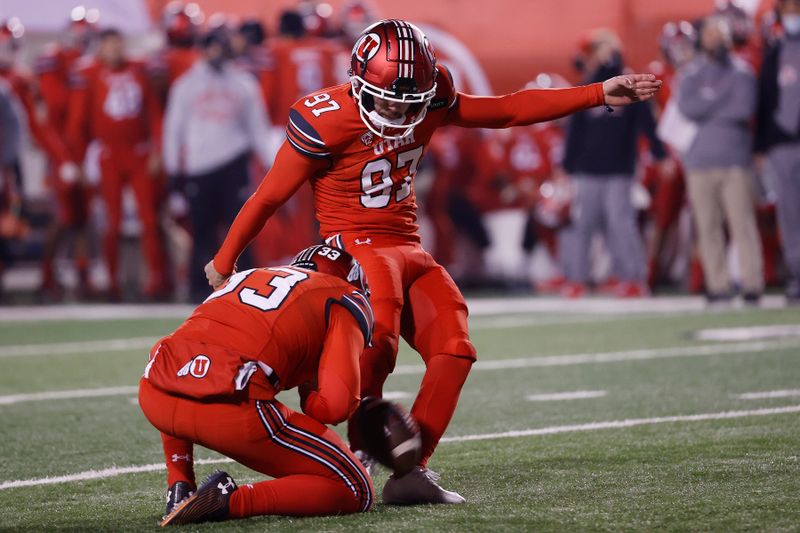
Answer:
(228, 485)
(365, 241)
(176, 457)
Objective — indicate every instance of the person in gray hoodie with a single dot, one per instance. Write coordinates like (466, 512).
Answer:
(717, 91)
(215, 121)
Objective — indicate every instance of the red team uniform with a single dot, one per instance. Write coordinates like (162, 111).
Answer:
(117, 108)
(214, 382)
(53, 71)
(362, 180)
(296, 68)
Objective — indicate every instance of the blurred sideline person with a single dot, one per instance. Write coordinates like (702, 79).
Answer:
(214, 382)
(180, 23)
(717, 91)
(360, 144)
(10, 198)
(215, 120)
(600, 158)
(668, 191)
(112, 104)
(70, 191)
(778, 135)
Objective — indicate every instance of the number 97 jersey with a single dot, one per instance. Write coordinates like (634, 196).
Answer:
(367, 182)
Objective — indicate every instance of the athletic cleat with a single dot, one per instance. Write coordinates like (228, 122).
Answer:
(418, 486)
(208, 503)
(176, 494)
(366, 461)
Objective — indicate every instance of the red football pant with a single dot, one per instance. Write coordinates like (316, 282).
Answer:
(315, 472)
(414, 296)
(128, 164)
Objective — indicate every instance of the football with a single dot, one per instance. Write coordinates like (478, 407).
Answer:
(389, 434)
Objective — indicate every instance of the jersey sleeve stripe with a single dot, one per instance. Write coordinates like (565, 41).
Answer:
(355, 304)
(302, 125)
(292, 132)
(306, 152)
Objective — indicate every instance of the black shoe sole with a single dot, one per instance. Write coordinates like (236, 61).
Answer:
(205, 505)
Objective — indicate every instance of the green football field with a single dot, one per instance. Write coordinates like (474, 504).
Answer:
(572, 420)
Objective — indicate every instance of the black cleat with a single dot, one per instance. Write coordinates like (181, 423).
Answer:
(208, 503)
(179, 491)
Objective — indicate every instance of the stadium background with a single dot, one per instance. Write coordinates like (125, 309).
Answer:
(510, 48)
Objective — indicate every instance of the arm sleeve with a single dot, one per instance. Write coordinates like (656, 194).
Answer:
(287, 174)
(257, 121)
(155, 115)
(523, 107)
(647, 123)
(9, 132)
(690, 100)
(739, 106)
(174, 122)
(44, 135)
(339, 381)
(78, 119)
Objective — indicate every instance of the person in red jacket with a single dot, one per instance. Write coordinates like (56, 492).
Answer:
(214, 382)
(359, 145)
(112, 103)
(71, 192)
(180, 23)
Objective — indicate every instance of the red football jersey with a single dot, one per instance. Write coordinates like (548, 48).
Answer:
(368, 186)
(519, 161)
(42, 132)
(53, 71)
(115, 106)
(266, 330)
(364, 183)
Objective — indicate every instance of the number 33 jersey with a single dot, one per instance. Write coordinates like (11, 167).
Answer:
(368, 183)
(286, 318)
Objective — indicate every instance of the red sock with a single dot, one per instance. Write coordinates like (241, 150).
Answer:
(298, 495)
(180, 465)
(437, 399)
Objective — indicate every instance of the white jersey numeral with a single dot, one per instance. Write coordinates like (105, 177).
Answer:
(378, 195)
(318, 99)
(281, 287)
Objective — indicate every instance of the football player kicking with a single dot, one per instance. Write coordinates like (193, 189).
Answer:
(214, 380)
(359, 144)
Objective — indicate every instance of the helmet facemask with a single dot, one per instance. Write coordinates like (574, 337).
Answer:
(393, 129)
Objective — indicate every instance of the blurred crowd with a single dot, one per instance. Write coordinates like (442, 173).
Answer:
(698, 191)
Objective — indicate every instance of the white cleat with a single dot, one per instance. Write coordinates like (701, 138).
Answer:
(418, 486)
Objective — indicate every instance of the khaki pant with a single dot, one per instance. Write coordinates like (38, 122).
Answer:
(723, 197)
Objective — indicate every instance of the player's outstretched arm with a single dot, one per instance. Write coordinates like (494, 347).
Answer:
(287, 174)
(541, 105)
(337, 395)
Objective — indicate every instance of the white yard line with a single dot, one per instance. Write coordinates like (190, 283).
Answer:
(78, 347)
(748, 333)
(788, 393)
(396, 395)
(614, 357)
(618, 424)
(560, 396)
(552, 430)
(93, 312)
(100, 474)
(67, 394)
(500, 364)
(477, 307)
